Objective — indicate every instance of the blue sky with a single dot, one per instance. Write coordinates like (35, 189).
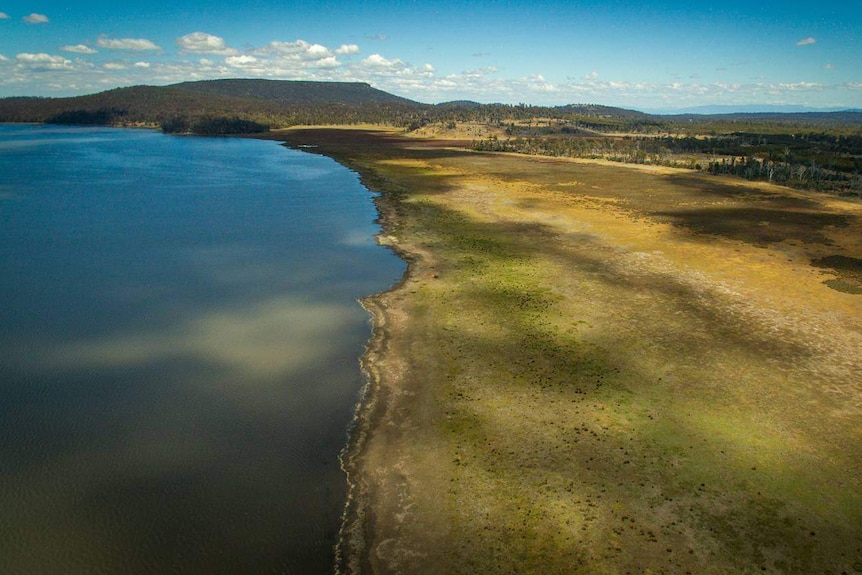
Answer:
(664, 54)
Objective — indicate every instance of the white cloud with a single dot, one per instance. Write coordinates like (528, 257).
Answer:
(828, 66)
(538, 83)
(4, 16)
(378, 61)
(347, 49)
(131, 44)
(115, 66)
(317, 51)
(476, 72)
(240, 61)
(79, 49)
(142, 65)
(807, 41)
(328, 62)
(3, 58)
(43, 61)
(296, 60)
(203, 43)
(798, 87)
(592, 76)
(299, 50)
(36, 18)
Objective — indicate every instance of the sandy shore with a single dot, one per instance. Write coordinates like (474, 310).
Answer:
(594, 369)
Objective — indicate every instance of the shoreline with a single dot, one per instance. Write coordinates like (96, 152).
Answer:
(563, 363)
(351, 550)
(351, 553)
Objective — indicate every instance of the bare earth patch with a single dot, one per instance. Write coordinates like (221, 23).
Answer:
(594, 369)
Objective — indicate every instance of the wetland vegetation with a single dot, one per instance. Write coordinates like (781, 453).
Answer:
(598, 368)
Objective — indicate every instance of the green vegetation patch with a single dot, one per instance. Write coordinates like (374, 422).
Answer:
(849, 271)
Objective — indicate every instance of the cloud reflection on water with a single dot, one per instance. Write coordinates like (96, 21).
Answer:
(260, 341)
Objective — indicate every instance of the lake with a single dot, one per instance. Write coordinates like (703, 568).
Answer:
(179, 345)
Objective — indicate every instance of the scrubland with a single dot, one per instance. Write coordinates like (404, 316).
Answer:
(595, 368)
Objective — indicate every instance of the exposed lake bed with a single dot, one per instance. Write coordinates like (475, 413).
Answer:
(603, 368)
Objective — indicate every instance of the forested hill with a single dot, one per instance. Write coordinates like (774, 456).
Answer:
(295, 92)
(231, 105)
(221, 106)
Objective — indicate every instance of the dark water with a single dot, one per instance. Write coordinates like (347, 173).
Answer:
(179, 337)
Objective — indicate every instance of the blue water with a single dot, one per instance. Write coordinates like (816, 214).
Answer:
(179, 343)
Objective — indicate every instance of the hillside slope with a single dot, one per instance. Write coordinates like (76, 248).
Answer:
(269, 103)
(294, 92)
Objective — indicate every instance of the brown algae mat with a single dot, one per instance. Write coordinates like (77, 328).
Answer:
(603, 369)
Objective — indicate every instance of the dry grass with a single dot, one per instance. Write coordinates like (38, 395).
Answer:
(593, 369)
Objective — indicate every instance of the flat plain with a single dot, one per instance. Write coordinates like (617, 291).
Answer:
(595, 368)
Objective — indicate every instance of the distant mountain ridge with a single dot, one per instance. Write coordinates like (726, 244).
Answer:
(288, 92)
(714, 110)
(844, 117)
(226, 105)
(265, 102)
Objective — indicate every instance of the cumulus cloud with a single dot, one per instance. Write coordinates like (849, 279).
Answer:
(79, 49)
(316, 51)
(35, 18)
(538, 83)
(327, 62)
(203, 43)
(476, 72)
(115, 66)
(3, 58)
(42, 61)
(142, 65)
(378, 61)
(4, 16)
(298, 59)
(347, 49)
(807, 41)
(130, 44)
(592, 76)
(299, 50)
(240, 61)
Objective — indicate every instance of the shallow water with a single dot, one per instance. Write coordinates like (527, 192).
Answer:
(179, 343)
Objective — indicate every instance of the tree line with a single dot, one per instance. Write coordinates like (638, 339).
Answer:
(824, 162)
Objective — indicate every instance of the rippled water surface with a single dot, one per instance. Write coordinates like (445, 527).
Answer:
(179, 337)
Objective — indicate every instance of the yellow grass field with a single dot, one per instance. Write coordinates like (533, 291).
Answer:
(600, 369)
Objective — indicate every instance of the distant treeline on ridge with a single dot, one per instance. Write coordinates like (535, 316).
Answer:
(812, 150)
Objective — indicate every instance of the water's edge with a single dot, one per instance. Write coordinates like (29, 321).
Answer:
(351, 546)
